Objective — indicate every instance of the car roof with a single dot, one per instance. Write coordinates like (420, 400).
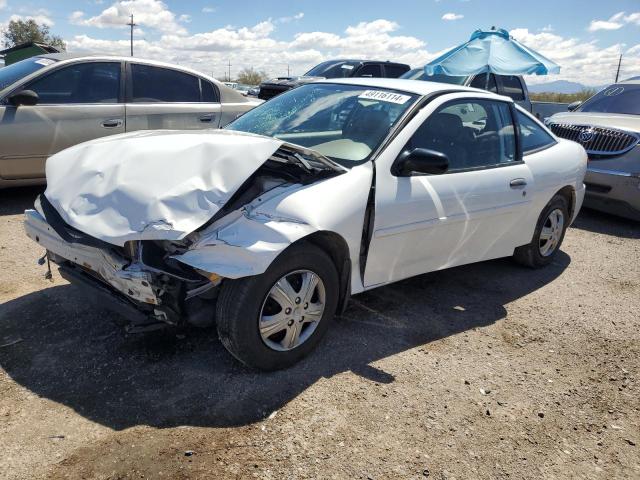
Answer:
(120, 58)
(632, 81)
(419, 87)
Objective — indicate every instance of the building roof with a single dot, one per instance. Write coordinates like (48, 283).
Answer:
(15, 48)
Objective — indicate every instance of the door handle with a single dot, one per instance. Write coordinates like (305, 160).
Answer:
(207, 118)
(112, 123)
(517, 182)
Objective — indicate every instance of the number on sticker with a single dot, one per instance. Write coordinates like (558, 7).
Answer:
(383, 96)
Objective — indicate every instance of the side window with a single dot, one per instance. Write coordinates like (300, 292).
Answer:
(157, 84)
(512, 87)
(209, 92)
(532, 134)
(472, 133)
(394, 71)
(480, 81)
(92, 82)
(370, 70)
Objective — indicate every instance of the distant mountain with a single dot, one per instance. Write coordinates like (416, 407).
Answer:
(558, 86)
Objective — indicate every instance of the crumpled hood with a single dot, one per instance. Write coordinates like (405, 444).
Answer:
(151, 185)
(606, 120)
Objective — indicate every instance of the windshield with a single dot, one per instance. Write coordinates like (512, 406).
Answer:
(18, 70)
(332, 69)
(419, 74)
(621, 98)
(343, 122)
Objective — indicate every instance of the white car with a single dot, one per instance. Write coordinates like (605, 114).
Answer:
(328, 190)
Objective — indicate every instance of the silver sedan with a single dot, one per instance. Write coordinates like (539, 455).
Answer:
(51, 102)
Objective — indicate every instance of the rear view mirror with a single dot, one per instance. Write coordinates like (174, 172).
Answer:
(421, 160)
(24, 97)
(572, 106)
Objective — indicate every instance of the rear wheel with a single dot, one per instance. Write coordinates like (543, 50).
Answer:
(547, 238)
(273, 320)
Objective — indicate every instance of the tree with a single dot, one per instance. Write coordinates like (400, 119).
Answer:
(23, 31)
(249, 76)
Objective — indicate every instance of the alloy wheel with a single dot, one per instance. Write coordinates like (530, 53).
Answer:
(292, 310)
(551, 232)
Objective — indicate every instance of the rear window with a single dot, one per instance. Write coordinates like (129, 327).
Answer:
(621, 98)
(480, 81)
(370, 70)
(394, 71)
(512, 87)
(157, 84)
(209, 92)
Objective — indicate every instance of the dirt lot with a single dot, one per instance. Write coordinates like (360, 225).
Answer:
(484, 371)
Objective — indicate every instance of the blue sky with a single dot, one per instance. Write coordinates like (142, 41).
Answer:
(584, 37)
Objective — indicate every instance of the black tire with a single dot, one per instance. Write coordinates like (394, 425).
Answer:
(530, 255)
(240, 303)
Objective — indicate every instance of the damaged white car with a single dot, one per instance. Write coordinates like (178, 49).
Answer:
(269, 226)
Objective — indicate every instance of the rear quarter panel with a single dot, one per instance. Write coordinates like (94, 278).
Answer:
(554, 168)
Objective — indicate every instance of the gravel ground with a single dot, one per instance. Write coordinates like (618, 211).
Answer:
(483, 371)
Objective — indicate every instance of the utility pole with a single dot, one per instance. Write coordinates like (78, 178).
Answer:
(229, 75)
(618, 72)
(288, 74)
(131, 24)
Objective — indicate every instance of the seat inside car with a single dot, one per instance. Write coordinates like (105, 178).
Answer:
(367, 125)
(444, 132)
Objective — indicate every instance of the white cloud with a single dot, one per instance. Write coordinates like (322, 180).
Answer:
(255, 46)
(452, 16)
(616, 22)
(587, 63)
(297, 16)
(3, 4)
(208, 9)
(41, 17)
(633, 18)
(148, 13)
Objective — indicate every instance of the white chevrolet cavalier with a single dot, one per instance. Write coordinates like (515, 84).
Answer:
(328, 190)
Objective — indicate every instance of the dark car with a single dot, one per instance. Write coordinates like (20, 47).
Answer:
(512, 86)
(333, 69)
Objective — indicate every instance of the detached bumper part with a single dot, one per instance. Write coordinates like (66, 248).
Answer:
(102, 296)
(104, 277)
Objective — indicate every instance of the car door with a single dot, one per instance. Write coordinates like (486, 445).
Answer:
(164, 98)
(77, 102)
(475, 211)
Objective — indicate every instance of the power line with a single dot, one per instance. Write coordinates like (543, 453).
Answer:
(131, 24)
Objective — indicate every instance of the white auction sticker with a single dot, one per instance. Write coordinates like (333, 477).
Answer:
(347, 67)
(383, 96)
(44, 61)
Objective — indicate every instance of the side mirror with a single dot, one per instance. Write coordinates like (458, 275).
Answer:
(572, 106)
(421, 160)
(24, 97)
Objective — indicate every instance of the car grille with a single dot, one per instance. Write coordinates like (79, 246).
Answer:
(270, 91)
(597, 141)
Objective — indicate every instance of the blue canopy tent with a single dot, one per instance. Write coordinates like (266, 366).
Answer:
(491, 51)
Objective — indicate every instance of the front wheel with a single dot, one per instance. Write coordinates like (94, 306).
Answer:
(547, 238)
(271, 321)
